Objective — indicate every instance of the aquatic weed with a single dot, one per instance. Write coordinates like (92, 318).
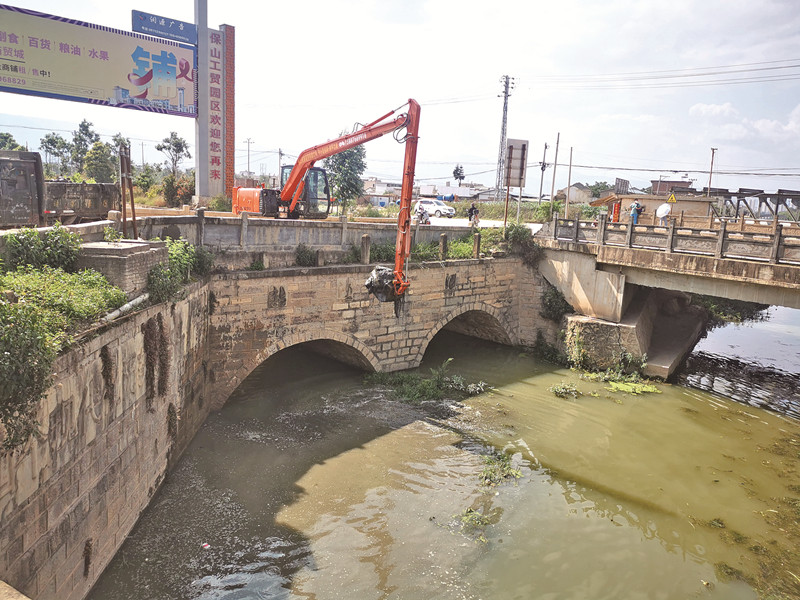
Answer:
(497, 468)
(565, 390)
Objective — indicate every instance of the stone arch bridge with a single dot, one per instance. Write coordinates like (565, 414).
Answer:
(256, 314)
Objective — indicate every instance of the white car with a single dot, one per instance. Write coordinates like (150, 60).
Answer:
(435, 208)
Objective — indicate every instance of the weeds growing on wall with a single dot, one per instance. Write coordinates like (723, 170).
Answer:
(554, 305)
(57, 247)
(520, 240)
(186, 261)
(39, 311)
(305, 256)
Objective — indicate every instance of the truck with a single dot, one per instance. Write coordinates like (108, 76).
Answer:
(305, 191)
(27, 199)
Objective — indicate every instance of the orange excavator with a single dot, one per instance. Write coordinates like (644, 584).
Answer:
(305, 191)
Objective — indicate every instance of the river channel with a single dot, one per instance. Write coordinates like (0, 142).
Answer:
(312, 484)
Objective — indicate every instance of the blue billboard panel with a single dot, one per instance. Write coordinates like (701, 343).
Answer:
(172, 29)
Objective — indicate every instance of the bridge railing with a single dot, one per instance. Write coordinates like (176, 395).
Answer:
(781, 245)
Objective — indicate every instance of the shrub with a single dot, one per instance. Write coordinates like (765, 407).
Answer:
(554, 305)
(460, 248)
(169, 187)
(425, 251)
(111, 235)
(184, 190)
(521, 241)
(162, 283)
(185, 260)
(64, 299)
(27, 352)
(382, 252)
(32, 331)
(58, 248)
(305, 256)
(220, 204)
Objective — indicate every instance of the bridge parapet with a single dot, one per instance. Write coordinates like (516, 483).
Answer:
(781, 245)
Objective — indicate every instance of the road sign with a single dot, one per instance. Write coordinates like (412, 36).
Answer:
(671, 198)
(516, 159)
(163, 27)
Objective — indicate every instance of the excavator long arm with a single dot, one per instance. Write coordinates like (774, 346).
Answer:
(293, 189)
(403, 245)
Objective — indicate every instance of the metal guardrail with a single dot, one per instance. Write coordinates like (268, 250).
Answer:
(779, 246)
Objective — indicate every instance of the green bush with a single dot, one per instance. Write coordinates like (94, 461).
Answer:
(554, 305)
(76, 297)
(425, 251)
(57, 247)
(305, 256)
(111, 235)
(185, 260)
(163, 283)
(169, 187)
(460, 248)
(220, 204)
(27, 352)
(52, 304)
(382, 252)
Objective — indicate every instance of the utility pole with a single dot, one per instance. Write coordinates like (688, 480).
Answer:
(142, 154)
(555, 165)
(710, 171)
(544, 166)
(280, 159)
(248, 141)
(569, 185)
(508, 84)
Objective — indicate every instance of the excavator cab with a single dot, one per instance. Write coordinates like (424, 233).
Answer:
(316, 200)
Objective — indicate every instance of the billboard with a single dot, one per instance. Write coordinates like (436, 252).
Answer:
(55, 57)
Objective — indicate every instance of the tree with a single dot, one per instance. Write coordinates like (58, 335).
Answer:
(598, 187)
(55, 146)
(344, 171)
(145, 177)
(100, 164)
(82, 140)
(118, 140)
(176, 149)
(458, 174)
(7, 142)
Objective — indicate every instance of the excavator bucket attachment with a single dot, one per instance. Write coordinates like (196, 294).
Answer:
(381, 284)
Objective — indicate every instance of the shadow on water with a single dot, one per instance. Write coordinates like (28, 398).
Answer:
(755, 363)
(212, 530)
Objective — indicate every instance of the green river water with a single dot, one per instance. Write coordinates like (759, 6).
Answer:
(311, 484)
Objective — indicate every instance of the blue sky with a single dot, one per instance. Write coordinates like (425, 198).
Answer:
(638, 90)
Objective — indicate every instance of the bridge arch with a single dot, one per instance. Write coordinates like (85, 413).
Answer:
(476, 319)
(335, 344)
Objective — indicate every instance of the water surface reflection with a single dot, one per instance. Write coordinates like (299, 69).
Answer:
(321, 487)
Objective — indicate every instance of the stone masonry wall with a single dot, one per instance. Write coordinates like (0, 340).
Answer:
(256, 314)
(127, 401)
(109, 428)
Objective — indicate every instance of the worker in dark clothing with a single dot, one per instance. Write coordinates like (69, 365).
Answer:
(473, 210)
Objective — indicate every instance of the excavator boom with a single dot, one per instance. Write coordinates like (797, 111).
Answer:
(293, 189)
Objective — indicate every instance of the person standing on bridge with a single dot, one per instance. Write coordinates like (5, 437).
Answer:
(636, 209)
